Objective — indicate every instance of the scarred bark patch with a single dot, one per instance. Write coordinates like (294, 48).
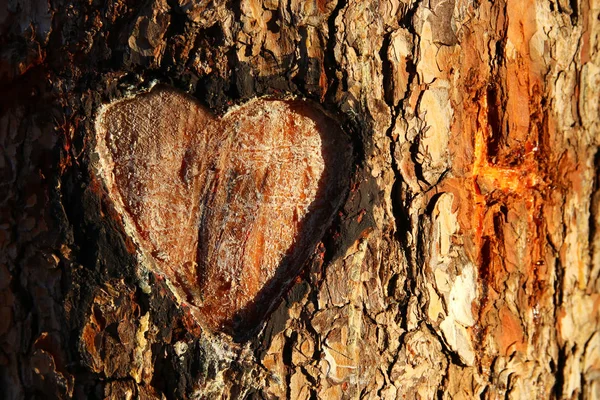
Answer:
(228, 209)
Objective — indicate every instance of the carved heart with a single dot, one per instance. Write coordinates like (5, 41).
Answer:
(227, 209)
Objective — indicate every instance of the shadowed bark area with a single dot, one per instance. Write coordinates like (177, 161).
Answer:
(464, 260)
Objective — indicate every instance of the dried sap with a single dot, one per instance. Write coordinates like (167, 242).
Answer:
(227, 209)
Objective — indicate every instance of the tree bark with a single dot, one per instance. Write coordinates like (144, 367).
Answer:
(463, 263)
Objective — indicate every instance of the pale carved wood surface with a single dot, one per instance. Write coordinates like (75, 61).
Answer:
(464, 263)
(226, 209)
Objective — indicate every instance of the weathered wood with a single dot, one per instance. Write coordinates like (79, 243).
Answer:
(464, 261)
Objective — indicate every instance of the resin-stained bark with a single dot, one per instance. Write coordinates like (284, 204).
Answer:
(463, 262)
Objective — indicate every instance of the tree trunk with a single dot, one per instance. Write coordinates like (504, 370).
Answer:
(463, 262)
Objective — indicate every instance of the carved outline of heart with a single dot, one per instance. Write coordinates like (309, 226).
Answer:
(228, 209)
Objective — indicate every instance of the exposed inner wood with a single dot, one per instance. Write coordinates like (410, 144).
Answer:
(230, 208)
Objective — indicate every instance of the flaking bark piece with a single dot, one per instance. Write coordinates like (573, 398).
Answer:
(227, 209)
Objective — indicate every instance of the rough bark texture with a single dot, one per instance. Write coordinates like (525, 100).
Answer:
(465, 261)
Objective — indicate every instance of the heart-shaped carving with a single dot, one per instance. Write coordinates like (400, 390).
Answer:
(227, 209)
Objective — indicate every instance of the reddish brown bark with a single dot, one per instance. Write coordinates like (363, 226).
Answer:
(463, 261)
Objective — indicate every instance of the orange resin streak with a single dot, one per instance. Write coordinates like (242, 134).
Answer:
(512, 181)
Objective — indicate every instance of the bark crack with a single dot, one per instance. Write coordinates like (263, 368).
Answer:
(331, 65)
